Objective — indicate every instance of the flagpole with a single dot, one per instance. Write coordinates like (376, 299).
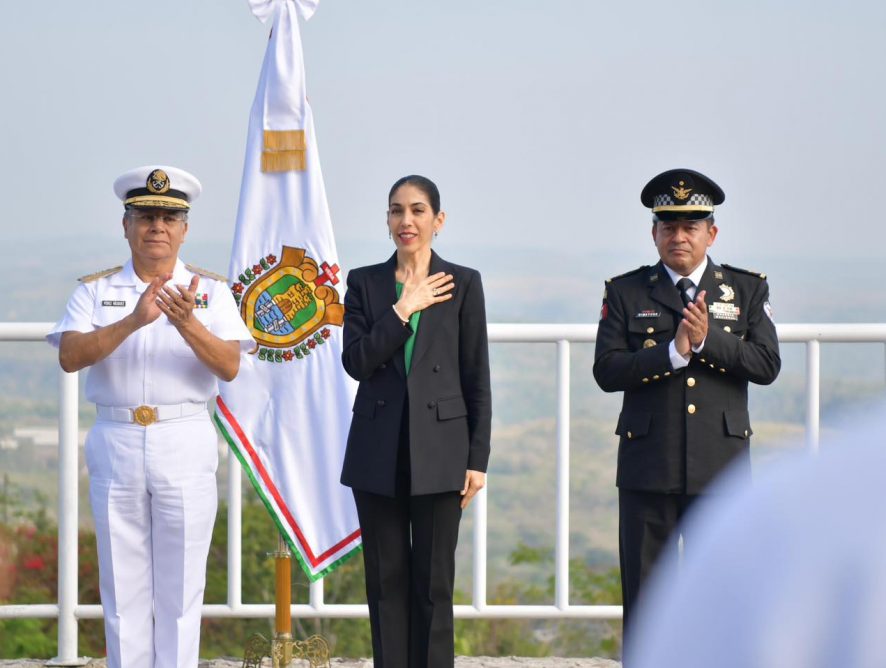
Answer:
(282, 649)
(283, 602)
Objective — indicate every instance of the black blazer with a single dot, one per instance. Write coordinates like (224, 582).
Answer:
(680, 428)
(448, 391)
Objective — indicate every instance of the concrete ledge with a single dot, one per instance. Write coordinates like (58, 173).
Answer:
(460, 662)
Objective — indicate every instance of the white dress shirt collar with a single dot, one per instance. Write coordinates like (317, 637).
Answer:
(695, 276)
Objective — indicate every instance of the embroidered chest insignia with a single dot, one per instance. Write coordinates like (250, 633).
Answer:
(648, 313)
(289, 304)
(201, 300)
(728, 294)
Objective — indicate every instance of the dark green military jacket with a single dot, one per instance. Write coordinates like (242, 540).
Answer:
(680, 428)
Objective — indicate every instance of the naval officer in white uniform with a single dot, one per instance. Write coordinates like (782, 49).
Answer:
(156, 334)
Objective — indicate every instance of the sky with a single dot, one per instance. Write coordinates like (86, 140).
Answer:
(539, 121)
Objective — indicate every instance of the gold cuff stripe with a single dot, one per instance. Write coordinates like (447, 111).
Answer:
(678, 207)
(158, 200)
(284, 151)
(285, 140)
(283, 161)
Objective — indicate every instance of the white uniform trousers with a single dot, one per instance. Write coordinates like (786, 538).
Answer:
(154, 499)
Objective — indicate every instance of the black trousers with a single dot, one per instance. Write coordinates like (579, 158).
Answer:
(646, 522)
(409, 557)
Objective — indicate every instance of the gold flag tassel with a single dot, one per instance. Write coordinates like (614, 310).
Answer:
(283, 151)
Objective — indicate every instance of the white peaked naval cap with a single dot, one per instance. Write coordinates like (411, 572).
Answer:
(158, 187)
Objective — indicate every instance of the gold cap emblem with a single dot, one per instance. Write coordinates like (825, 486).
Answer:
(680, 192)
(158, 182)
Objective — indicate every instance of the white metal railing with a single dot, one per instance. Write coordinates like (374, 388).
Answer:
(68, 610)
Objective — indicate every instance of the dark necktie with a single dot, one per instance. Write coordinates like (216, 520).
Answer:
(684, 284)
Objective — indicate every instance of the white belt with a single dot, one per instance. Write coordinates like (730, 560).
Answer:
(145, 415)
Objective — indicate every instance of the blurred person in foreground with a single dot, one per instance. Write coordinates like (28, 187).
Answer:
(788, 572)
(682, 339)
(156, 334)
(418, 447)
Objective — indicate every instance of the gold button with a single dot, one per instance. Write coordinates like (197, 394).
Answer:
(711, 365)
(745, 433)
(656, 377)
(630, 435)
(667, 373)
(691, 409)
(702, 360)
(649, 330)
(722, 370)
(645, 380)
(690, 382)
(727, 328)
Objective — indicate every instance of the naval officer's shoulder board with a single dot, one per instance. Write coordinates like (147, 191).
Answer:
(89, 278)
(206, 273)
(748, 272)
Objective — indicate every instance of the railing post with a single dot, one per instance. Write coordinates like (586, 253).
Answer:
(561, 551)
(813, 394)
(316, 594)
(68, 454)
(479, 593)
(235, 532)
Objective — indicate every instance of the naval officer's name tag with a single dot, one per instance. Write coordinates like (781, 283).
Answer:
(648, 313)
(113, 302)
(724, 311)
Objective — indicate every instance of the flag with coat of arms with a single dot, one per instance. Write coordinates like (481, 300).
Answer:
(286, 415)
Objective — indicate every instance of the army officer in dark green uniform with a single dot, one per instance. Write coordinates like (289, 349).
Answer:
(681, 339)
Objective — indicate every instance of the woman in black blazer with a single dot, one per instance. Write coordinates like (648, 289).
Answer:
(415, 338)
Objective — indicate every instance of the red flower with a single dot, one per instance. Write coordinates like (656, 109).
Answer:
(287, 355)
(272, 259)
(237, 287)
(312, 344)
(256, 269)
(326, 333)
(34, 563)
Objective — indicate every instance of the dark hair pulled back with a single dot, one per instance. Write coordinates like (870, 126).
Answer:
(428, 187)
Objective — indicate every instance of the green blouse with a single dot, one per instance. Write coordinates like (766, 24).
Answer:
(410, 342)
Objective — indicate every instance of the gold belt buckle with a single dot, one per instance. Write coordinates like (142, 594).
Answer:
(144, 415)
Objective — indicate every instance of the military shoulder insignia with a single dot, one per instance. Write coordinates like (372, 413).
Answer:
(628, 273)
(744, 271)
(89, 278)
(204, 272)
(289, 303)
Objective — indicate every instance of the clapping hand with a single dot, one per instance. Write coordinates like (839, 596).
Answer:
(178, 302)
(695, 315)
(147, 310)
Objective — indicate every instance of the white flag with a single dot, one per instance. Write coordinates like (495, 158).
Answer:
(286, 416)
